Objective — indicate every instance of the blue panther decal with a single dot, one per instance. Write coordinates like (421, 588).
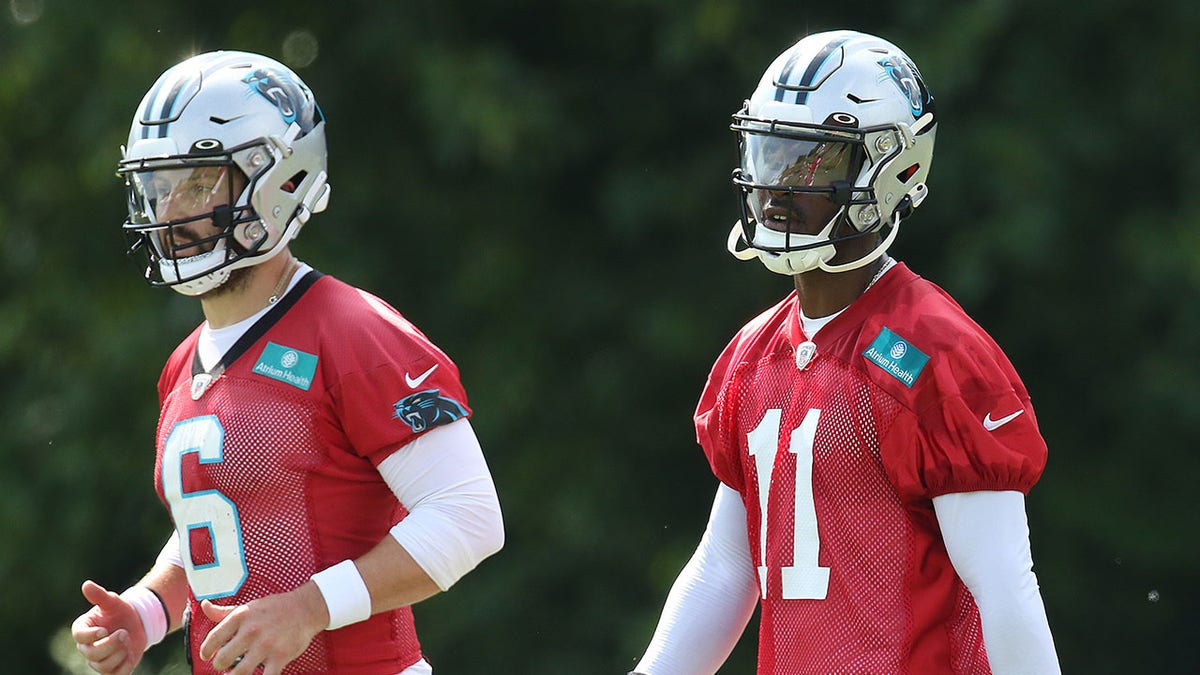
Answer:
(904, 75)
(294, 102)
(428, 409)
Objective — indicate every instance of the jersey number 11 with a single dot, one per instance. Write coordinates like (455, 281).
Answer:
(804, 578)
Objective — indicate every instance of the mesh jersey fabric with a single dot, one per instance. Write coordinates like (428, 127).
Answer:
(269, 481)
(837, 464)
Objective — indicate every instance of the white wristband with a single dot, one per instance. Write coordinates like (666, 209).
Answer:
(346, 596)
(151, 611)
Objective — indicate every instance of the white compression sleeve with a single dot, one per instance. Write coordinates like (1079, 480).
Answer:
(454, 519)
(170, 553)
(711, 601)
(987, 538)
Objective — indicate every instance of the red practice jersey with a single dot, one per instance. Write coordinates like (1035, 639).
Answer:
(268, 467)
(905, 399)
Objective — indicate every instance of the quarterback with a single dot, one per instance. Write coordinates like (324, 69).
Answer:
(314, 448)
(873, 444)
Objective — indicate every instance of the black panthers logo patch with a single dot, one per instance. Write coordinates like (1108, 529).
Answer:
(428, 409)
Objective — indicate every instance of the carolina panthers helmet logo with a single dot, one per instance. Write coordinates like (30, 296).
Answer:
(905, 76)
(292, 100)
(427, 409)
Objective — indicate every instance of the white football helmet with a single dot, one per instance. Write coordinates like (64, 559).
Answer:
(231, 138)
(840, 114)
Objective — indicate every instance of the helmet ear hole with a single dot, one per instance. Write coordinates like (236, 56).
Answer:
(290, 185)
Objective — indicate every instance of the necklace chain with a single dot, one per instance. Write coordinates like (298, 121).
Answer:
(284, 279)
(887, 265)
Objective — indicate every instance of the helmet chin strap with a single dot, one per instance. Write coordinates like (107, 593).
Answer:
(818, 248)
(202, 285)
(177, 269)
(870, 257)
(735, 238)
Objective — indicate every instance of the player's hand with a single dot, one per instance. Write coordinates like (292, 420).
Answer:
(270, 631)
(110, 634)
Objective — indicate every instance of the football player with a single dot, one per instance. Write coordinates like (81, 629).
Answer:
(313, 448)
(873, 445)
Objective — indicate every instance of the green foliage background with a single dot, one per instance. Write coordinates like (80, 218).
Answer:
(543, 188)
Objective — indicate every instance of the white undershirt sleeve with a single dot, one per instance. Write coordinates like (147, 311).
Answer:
(454, 519)
(987, 538)
(170, 553)
(711, 601)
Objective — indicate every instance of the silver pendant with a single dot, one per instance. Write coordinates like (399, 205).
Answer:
(805, 352)
(200, 385)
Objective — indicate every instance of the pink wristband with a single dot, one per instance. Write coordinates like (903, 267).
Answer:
(151, 610)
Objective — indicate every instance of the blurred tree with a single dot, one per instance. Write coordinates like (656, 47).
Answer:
(543, 187)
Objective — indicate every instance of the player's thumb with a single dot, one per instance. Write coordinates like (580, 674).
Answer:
(97, 594)
(215, 612)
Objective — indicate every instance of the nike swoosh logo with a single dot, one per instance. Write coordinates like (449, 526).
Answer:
(992, 425)
(416, 382)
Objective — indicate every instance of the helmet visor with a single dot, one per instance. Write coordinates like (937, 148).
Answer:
(169, 195)
(779, 162)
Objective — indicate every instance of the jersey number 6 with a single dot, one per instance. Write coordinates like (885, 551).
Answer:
(804, 578)
(204, 509)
